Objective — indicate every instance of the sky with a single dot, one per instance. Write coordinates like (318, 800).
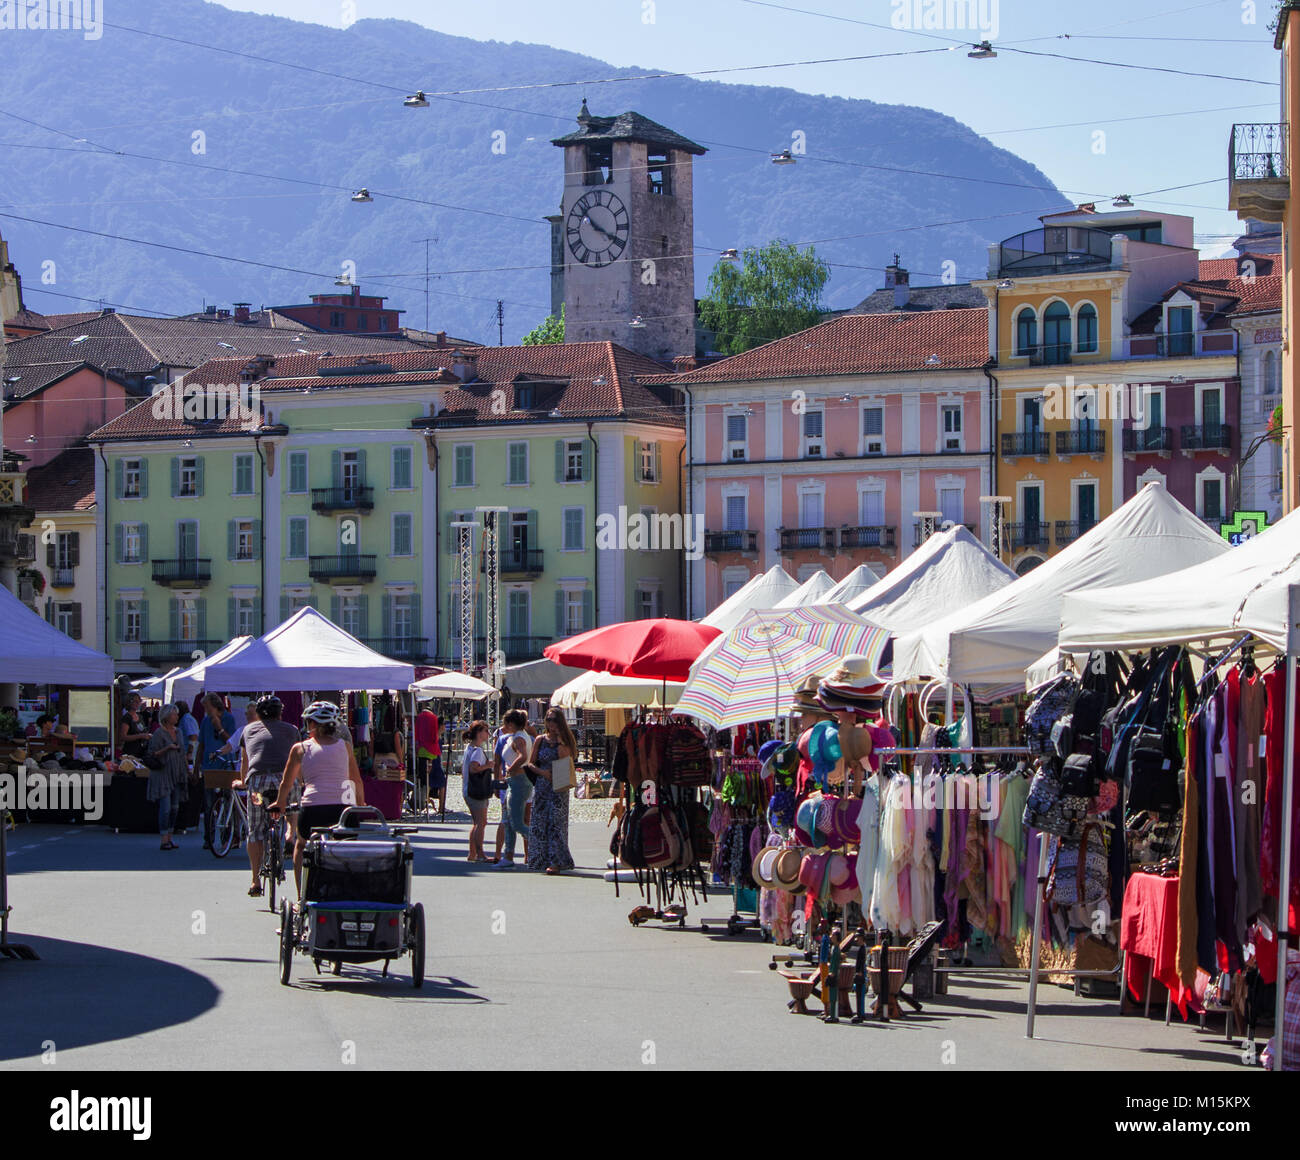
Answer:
(1096, 130)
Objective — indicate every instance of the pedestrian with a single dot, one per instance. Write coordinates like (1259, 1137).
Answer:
(476, 785)
(132, 736)
(264, 752)
(189, 730)
(328, 769)
(549, 831)
(167, 782)
(519, 786)
(428, 752)
(214, 731)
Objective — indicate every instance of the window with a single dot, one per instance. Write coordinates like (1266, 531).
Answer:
(402, 535)
(133, 477)
(402, 612)
(1031, 507)
(297, 472)
(1085, 505)
(517, 464)
(383, 322)
(813, 432)
(67, 619)
(649, 603)
(464, 465)
(244, 539)
(600, 163)
(243, 475)
(187, 619)
(132, 536)
(951, 438)
(574, 458)
(659, 173)
(1087, 329)
(1031, 415)
(1026, 330)
(188, 476)
(872, 508)
(736, 514)
(352, 615)
(1211, 404)
(131, 624)
(737, 436)
(524, 396)
(1056, 333)
(65, 552)
(873, 430)
(811, 505)
(362, 323)
(1211, 489)
(337, 321)
(574, 606)
(349, 471)
(575, 525)
(298, 538)
(1272, 377)
(1179, 336)
(247, 615)
(401, 469)
(648, 463)
(950, 504)
(519, 612)
(733, 580)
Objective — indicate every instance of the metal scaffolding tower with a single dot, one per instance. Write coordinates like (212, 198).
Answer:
(494, 656)
(465, 545)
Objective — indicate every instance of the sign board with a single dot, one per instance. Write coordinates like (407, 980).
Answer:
(1243, 526)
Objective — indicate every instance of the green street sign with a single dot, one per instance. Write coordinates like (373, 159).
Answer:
(1244, 526)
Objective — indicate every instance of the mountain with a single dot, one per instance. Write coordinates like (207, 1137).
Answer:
(338, 119)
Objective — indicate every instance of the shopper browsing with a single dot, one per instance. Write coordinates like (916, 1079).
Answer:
(476, 784)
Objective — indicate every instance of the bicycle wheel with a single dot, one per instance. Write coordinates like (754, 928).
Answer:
(224, 823)
(416, 938)
(286, 943)
(273, 864)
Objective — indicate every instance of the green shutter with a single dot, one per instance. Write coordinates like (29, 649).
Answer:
(361, 468)
(51, 552)
(202, 609)
(284, 608)
(76, 622)
(636, 459)
(74, 549)
(257, 616)
(119, 479)
(144, 620)
(336, 468)
(559, 461)
(119, 619)
(335, 608)
(176, 476)
(232, 540)
(198, 475)
(144, 479)
(144, 543)
(119, 544)
(417, 629)
(533, 542)
(388, 615)
(49, 611)
(174, 618)
(364, 608)
(232, 618)
(559, 614)
(257, 539)
(659, 475)
(586, 462)
(588, 606)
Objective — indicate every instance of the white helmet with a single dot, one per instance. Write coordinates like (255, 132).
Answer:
(322, 712)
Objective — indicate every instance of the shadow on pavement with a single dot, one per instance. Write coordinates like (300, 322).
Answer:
(79, 994)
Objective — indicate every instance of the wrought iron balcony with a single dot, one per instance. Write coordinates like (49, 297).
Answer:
(1203, 437)
(63, 577)
(1016, 443)
(1081, 441)
(866, 537)
(801, 539)
(1182, 344)
(516, 648)
(402, 647)
(518, 562)
(339, 569)
(717, 543)
(1259, 176)
(342, 499)
(1148, 440)
(17, 546)
(1028, 535)
(1067, 531)
(167, 652)
(1047, 354)
(185, 572)
(1055, 250)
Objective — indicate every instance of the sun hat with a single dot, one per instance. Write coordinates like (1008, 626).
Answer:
(805, 698)
(786, 760)
(852, 687)
(805, 822)
(761, 869)
(768, 748)
(785, 869)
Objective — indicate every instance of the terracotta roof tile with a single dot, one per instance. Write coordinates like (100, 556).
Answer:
(65, 484)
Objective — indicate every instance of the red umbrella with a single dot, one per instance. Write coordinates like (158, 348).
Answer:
(662, 649)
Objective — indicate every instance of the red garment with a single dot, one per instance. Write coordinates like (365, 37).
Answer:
(1148, 932)
(1270, 855)
(426, 732)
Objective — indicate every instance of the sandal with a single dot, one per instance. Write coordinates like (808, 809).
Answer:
(169, 846)
(255, 891)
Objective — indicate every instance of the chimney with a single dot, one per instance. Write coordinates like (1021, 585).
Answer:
(441, 338)
(896, 279)
(210, 309)
(222, 313)
(242, 311)
(465, 365)
(683, 363)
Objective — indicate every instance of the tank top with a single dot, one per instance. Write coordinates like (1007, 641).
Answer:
(325, 772)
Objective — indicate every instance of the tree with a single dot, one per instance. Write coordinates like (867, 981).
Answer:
(552, 330)
(775, 291)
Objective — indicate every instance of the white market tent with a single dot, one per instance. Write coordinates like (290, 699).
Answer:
(36, 652)
(308, 651)
(996, 639)
(539, 678)
(186, 684)
(153, 688)
(861, 579)
(949, 571)
(763, 591)
(812, 591)
(1243, 590)
(595, 690)
(454, 686)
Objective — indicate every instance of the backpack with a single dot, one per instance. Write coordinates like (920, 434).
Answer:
(697, 826)
(1049, 808)
(688, 757)
(626, 844)
(1046, 709)
(1080, 871)
(661, 841)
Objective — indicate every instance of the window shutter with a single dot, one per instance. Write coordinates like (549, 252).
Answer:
(144, 543)
(49, 611)
(637, 472)
(119, 544)
(119, 619)
(202, 609)
(232, 618)
(198, 476)
(144, 479)
(586, 462)
(257, 616)
(174, 618)
(559, 461)
(74, 549)
(176, 476)
(559, 615)
(232, 540)
(361, 468)
(284, 608)
(144, 620)
(336, 605)
(588, 609)
(533, 541)
(257, 539)
(387, 614)
(336, 468)
(363, 607)
(417, 630)
(658, 471)
(51, 553)
(119, 478)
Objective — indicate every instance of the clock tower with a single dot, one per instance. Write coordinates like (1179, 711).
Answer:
(626, 235)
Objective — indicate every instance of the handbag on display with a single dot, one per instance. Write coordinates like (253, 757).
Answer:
(1081, 775)
(1049, 809)
(1046, 709)
(1080, 872)
(1153, 775)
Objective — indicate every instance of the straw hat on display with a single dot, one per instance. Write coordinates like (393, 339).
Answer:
(852, 688)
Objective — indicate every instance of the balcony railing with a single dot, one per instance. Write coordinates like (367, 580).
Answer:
(342, 499)
(1047, 354)
(1202, 437)
(1054, 250)
(799, 539)
(866, 537)
(1028, 535)
(716, 543)
(1148, 440)
(1182, 344)
(1016, 443)
(516, 648)
(186, 572)
(160, 652)
(1081, 441)
(1067, 531)
(344, 567)
(1259, 177)
(518, 561)
(403, 647)
(63, 578)
(19, 546)
(918, 531)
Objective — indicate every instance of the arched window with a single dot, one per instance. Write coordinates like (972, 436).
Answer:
(1056, 333)
(1272, 376)
(1026, 330)
(1087, 329)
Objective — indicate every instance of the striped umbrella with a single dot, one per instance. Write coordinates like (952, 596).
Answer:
(751, 672)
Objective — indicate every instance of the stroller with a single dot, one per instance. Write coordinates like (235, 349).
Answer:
(356, 905)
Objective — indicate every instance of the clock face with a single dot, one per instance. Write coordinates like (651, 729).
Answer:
(597, 228)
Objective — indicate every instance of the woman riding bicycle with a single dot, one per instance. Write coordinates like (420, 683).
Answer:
(264, 750)
(328, 769)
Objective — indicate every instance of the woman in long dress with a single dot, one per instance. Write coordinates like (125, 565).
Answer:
(168, 783)
(548, 846)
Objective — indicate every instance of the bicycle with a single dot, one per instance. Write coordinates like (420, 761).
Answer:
(272, 867)
(228, 820)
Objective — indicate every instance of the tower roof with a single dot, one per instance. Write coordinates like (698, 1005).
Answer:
(629, 126)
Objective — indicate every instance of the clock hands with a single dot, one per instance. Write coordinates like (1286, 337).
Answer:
(600, 229)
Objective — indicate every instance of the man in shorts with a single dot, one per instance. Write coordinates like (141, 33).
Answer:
(264, 747)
